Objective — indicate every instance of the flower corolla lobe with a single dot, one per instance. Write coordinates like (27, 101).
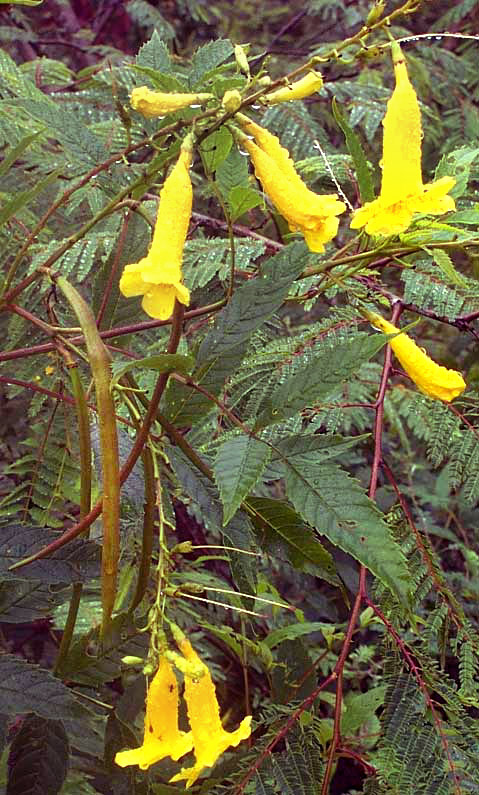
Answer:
(431, 379)
(152, 104)
(402, 190)
(162, 737)
(209, 738)
(312, 214)
(157, 277)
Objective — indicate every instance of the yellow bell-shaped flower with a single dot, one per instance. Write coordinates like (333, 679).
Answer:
(162, 736)
(157, 277)
(153, 104)
(402, 190)
(210, 740)
(312, 214)
(307, 85)
(431, 378)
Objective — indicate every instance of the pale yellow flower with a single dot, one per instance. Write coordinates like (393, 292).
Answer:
(157, 277)
(152, 104)
(162, 736)
(402, 190)
(431, 378)
(307, 85)
(210, 740)
(312, 214)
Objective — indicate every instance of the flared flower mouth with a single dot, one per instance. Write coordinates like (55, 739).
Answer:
(432, 379)
(380, 218)
(157, 277)
(313, 214)
(402, 190)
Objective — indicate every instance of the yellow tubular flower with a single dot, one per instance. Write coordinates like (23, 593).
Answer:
(157, 277)
(313, 214)
(402, 190)
(210, 740)
(162, 735)
(431, 378)
(307, 85)
(158, 103)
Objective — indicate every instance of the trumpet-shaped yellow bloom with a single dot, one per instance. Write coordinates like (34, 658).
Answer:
(157, 277)
(152, 104)
(210, 740)
(307, 85)
(162, 736)
(310, 213)
(402, 190)
(431, 378)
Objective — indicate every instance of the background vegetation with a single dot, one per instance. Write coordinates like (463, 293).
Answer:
(353, 512)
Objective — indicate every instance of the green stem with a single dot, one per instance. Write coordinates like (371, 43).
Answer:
(133, 456)
(148, 528)
(85, 502)
(100, 367)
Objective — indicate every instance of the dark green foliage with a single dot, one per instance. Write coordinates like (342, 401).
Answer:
(38, 758)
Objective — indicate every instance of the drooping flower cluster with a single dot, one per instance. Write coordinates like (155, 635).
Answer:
(162, 736)
(157, 277)
(402, 190)
(313, 214)
(431, 378)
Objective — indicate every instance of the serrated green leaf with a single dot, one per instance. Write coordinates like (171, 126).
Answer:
(159, 80)
(365, 182)
(160, 362)
(147, 15)
(324, 373)
(38, 759)
(13, 152)
(280, 527)
(321, 447)
(293, 631)
(25, 197)
(254, 302)
(22, 602)
(78, 561)
(240, 461)
(207, 58)
(232, 173)
(457, 164)
(360, 707)
(154, 54)
(336, 505)
(215, 148)
(237, 534)
(81, 665)
(184, 406)
(224, 346)
(446, 265)
(29, 688)
(68, 129)
(241, 200)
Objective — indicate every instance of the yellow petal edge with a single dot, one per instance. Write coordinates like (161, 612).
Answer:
(430, 378)
(402, 190)
(157, 277)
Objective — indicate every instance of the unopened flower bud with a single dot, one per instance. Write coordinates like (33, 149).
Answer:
(241, 59)
(192, 668)
(231, 100)
(375, 13)
(309, 84)
(130, 660)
